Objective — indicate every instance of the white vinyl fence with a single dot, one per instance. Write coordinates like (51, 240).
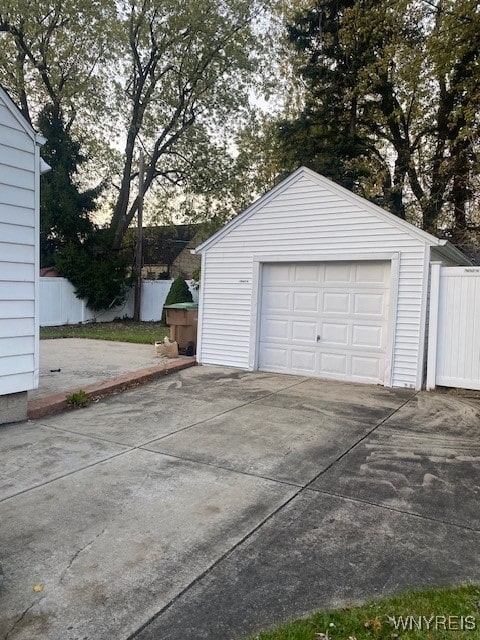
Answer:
(59, 304)
(454, 328)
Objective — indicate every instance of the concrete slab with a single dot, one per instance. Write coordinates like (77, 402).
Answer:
(214, 383)
(441, 413)
(69, 363)
(113, 543)
(366, 404)
(33, 454)
(286, 444)
(142, 415)
(424, 460)
(317, 552)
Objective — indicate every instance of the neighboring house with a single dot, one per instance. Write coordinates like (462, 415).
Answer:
(49, 272)
(20, 168)
(167, 250)
(187, 264)
(313, 280)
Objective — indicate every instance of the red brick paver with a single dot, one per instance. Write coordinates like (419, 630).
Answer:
(57, 402)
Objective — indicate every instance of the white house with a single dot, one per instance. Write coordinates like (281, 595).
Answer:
(20, 168)
(315, 281)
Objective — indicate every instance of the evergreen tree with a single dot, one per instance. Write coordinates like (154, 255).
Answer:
(64, 209)
(328, 135)
(68, 238)
(391, 104)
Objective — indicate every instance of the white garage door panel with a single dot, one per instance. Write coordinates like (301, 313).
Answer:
(277, 300)
(335, 363)
(369, 304)
(305, 301)
(306, 273)
(369, 272)
(369, 367)
(303, 360)
(334, 334)
(304, 331)
(335, 273)
(325, 319)
(276, 357)
(364, 336)
(276, 329)
(336, 302)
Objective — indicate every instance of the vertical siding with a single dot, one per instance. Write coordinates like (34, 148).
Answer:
(435, 256)
(17, 254)
(458, 337)
(305, 219)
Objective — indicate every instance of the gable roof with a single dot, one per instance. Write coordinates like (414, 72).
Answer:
(20, 118)
(303, 172)
(162, 244)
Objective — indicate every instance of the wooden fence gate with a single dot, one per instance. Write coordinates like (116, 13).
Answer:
(454, 327)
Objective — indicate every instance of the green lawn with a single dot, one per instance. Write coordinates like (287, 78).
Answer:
(124, 331)
(443, 614)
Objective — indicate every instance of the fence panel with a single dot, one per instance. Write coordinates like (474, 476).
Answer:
(154, 294)
(59, 304)
(454, 355)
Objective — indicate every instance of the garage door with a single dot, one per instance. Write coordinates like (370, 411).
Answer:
(325, 319)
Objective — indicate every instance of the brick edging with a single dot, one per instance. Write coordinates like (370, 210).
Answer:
(57, 402)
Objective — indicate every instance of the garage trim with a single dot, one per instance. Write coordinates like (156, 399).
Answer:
(260, 259)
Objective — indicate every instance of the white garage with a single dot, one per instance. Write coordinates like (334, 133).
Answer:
(313, 280)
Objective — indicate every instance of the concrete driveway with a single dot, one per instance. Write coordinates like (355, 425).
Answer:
(216, 502)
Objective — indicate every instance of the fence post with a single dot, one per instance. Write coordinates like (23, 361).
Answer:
(435, 269)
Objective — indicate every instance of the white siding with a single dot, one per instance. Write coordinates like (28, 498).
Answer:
(18, 238)
(457, 362)
(309, 220)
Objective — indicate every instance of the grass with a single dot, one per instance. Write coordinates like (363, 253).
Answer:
(78, 398)
(449, 614)
(121, 331)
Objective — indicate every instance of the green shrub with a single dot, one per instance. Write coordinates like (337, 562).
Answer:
(99, 276)
(179, 292)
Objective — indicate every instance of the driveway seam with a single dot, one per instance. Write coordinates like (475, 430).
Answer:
(65, 475)
(333, 494)
(222, 413)
(209, 569)
(185, 428)
(359, 441)
(83, 435)
(250, 474)
(131, 449)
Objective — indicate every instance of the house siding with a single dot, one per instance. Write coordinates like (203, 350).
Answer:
(18, 251)
(309, 220)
